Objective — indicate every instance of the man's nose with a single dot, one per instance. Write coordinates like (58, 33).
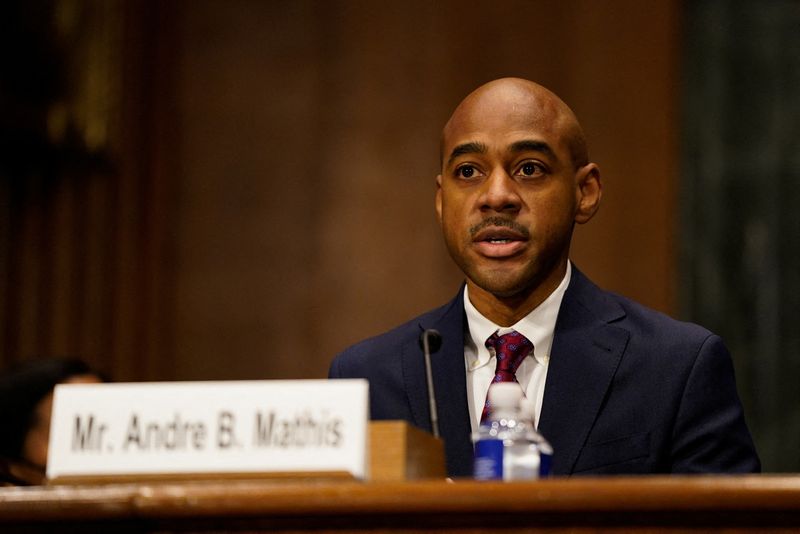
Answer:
(500, 193)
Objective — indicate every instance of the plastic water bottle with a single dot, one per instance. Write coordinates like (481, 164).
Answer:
(507, 446)
(533, 455)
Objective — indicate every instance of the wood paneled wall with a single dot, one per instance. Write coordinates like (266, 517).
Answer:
(273, 194)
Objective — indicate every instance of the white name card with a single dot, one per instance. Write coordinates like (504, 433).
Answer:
(183, 428)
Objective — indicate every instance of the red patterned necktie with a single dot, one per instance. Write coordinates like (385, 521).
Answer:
(509, 351)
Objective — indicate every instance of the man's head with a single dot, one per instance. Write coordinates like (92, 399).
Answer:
(515, 178)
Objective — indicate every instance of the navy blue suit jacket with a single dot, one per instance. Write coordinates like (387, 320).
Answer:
(628, 390)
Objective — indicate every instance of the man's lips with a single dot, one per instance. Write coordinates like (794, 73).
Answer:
(498, 224)
(499, 241)
(494, 233)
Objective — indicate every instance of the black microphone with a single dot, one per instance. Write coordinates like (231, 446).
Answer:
(430, 341)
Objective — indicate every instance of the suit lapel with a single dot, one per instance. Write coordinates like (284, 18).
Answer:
(585, 355)
(449, 380)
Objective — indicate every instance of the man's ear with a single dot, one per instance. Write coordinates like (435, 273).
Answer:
(439, 198)
(589, 192)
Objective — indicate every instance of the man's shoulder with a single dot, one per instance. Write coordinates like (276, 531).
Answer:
(655, 324)
(394, 340)
(648, 319)
(638, 318)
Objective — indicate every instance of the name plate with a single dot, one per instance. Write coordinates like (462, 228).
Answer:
(187, 428)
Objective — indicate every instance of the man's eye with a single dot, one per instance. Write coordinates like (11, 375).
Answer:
(466, 171)
(530, 169)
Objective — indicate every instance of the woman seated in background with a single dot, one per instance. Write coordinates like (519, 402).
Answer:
(26, 400)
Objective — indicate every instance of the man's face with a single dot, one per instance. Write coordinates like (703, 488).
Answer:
(509, 192)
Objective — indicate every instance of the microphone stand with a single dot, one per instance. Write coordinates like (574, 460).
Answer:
(431, 340)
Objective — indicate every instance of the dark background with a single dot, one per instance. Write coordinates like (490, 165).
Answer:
(240, 189)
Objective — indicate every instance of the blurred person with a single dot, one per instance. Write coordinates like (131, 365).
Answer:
(26, 401)
(617, 388)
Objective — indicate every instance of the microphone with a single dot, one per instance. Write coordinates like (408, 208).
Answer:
(430, 341)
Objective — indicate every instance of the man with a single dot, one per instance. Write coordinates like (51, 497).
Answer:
(618, 388)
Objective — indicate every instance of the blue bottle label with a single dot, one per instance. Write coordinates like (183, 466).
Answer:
(545, 463)
(488, 460)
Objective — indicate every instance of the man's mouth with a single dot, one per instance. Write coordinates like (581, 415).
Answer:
(500, 242)
(498, 228)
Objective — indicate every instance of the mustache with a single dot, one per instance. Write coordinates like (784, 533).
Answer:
(499, 221)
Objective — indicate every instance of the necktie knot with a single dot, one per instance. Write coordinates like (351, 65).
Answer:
(509, 351)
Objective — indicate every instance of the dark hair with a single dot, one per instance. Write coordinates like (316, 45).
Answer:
(21, 389)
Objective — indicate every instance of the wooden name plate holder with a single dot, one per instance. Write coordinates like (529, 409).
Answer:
(398, 451)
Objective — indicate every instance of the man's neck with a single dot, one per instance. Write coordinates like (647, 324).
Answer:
(508, 310)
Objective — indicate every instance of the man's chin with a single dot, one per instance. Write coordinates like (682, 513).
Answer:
(504, 287)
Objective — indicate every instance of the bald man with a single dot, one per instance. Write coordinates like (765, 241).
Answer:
(618, 388)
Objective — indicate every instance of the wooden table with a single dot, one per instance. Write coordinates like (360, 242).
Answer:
(646, 504)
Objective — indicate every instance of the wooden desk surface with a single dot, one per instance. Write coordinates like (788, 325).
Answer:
(646, 504)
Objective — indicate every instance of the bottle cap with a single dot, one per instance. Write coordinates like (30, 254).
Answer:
(505, 395)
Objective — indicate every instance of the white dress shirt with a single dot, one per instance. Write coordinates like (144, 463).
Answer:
(538, 326)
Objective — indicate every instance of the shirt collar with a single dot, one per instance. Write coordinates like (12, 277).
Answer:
(538, 326)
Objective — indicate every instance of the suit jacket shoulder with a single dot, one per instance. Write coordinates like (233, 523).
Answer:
(374, 353)
(631, 390)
